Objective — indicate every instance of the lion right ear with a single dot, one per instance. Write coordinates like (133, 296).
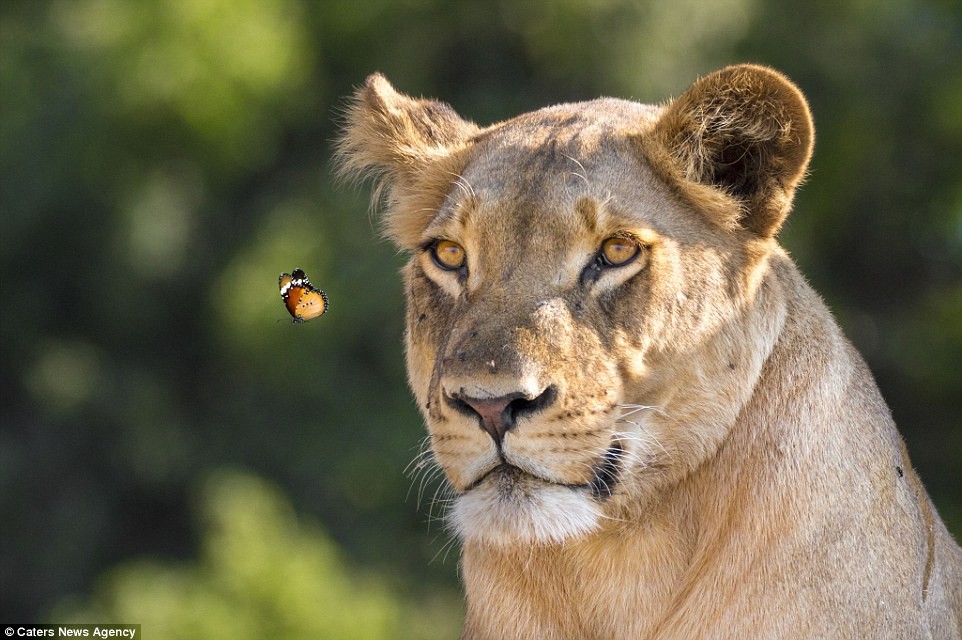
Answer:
(409, 147)
(736, 144)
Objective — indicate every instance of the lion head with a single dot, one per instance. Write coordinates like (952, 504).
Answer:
(589, 291)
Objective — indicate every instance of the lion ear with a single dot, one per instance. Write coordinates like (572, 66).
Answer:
(409, 149)
(736, 144)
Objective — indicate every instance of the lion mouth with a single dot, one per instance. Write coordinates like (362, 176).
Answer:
(606, 474)
(510, 478)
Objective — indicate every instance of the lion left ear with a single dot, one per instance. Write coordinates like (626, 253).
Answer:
(736, 144)
(409, 147)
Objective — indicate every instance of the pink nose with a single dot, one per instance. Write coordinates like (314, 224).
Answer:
(494, 414)
(499, 415)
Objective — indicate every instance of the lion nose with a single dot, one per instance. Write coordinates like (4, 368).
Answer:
(499, 415)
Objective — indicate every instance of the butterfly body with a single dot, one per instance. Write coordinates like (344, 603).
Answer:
(303, 300)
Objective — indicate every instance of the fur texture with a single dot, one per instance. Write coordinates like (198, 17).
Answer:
(680, 444)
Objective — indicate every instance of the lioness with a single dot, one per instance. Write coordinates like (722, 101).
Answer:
(653, 426)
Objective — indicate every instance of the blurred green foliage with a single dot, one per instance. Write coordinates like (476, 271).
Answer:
(162, 161)
(263, 573)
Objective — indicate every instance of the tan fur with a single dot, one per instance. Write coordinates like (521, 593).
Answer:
(696, 451)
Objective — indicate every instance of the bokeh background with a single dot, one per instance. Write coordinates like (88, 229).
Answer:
(173, 452)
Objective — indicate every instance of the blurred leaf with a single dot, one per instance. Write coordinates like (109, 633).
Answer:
(264, 573)
(220, 68)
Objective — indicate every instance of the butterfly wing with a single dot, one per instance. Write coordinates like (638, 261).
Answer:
(312, 303)
(284, 283)
(303, 300)
(289, 295)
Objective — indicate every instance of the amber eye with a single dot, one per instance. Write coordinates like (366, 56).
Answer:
(448, 255)
(618, 251)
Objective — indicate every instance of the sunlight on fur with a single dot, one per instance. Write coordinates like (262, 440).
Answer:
(534, 515)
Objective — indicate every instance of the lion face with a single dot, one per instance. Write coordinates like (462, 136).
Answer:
(548, 293)
(578, 306)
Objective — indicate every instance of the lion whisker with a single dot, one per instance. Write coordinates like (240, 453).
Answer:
(642, 438)
(446, 548)
(583, 174)
(635, 408)
(462, 183)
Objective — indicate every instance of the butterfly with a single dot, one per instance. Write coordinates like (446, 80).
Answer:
(303, 300)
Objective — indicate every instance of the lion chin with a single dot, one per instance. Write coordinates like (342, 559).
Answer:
(511, 507)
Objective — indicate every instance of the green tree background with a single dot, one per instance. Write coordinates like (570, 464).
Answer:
(173, 452)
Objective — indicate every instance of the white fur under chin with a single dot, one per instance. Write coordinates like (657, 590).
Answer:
(547, 514)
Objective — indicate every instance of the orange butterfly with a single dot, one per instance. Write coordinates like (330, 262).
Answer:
(303, 300)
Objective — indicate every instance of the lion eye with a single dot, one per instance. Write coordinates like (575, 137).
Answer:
(448, 255)
(618, 251)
